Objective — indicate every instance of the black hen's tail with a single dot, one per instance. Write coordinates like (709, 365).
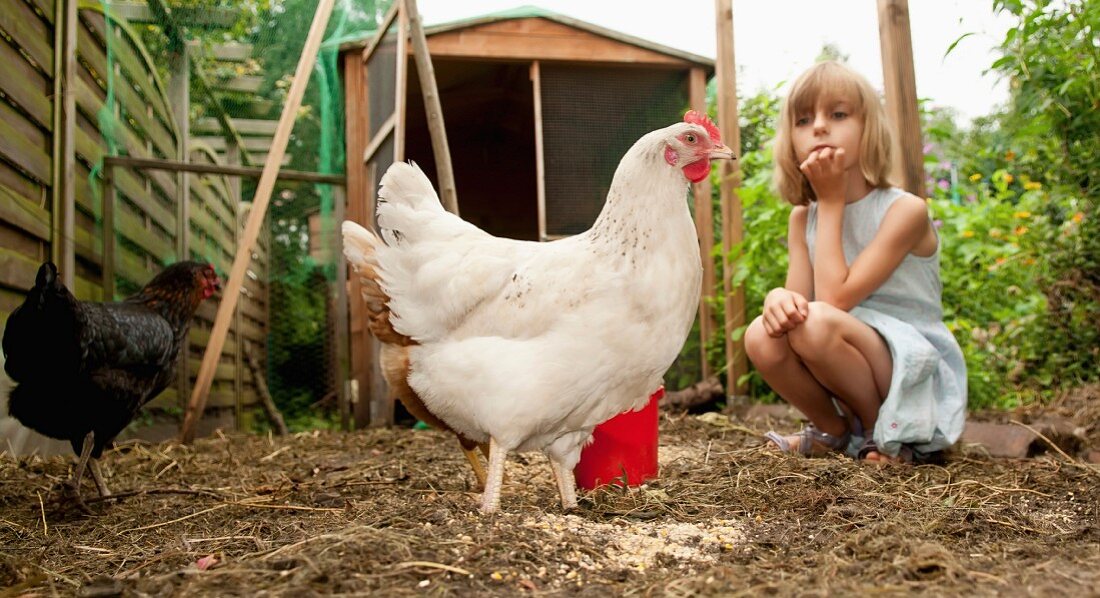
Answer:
(41, 336)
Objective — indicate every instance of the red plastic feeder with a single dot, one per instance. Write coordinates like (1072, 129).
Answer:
(624, 448)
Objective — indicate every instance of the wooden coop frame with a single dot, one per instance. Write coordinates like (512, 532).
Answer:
(536, 38)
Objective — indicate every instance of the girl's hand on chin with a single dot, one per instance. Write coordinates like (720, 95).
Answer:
(824, 169)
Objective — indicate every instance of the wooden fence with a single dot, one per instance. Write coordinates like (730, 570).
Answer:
(119, 234)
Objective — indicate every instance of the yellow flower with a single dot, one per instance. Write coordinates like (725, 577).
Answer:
(974, 178)
(1020, 231)
(1009, 178)
(1010, 155)
(1021, 215)
(1033, 185)
(967, 234)
(995, 233)
(1078, 217)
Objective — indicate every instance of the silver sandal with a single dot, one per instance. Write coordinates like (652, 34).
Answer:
(806, 439)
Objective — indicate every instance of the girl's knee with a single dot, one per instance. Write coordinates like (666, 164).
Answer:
(761, 348)
(820, 328)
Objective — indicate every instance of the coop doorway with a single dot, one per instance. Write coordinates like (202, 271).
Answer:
(488, 108)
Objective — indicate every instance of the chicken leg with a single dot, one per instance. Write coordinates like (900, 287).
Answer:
(97, 477)
(567, 485)
(475, 463)
(490, 497)
(74, 481)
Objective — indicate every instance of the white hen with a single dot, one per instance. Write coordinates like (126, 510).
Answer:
(530, 345)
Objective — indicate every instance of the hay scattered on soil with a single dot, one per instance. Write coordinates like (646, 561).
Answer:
(395, 511)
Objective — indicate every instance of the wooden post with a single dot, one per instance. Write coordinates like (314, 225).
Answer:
(63, 180)
(900, 82)
(736, 364)
(255, 221)
(434, 110)
(704, 225)
(400, 83)
(233, 156)
(356, 100)
(340, 305)
(540, 165)
(179, 94)
(108, 193)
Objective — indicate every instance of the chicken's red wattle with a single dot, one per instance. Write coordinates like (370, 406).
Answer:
(697, 171)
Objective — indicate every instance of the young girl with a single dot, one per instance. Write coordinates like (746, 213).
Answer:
(855, 338)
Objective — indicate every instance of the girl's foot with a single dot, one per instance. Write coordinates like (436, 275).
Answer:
(810, 442)
(870, 453)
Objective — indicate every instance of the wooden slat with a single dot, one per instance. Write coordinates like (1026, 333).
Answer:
(23, 84)
(24, 214)
(244, 126)
(133, 228)
(17, 148)
(210, 199)
(262, 157)
(540, 39)
(29, 32)
(204, 17)
(241, 84)
(218, 144)
(87, 290)
(231, 52)
(133, 66)
(17, 270)
(134, 190)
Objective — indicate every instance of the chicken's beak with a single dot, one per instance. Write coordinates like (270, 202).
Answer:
(721, 152)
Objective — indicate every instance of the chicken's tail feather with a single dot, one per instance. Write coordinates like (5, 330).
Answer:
(403, 192)
(360, 249)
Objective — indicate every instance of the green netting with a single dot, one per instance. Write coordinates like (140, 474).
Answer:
(243, 56)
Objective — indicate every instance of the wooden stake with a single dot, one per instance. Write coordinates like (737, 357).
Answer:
(447, 192)
(900, 82)
(736, 364)
(704, 226)
(266, 401)
(540, 165)
(255, 220)
(63, 180)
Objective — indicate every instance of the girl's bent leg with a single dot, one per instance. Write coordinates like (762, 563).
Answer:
(847, 356)
(784, 371)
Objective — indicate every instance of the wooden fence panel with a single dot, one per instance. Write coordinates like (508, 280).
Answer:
(145, 210)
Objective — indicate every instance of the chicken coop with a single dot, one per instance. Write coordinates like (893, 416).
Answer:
(539, 108)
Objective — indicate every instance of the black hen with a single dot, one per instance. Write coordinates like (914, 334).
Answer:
(83, 370)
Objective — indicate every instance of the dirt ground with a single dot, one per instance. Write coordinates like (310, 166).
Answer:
(393, 512)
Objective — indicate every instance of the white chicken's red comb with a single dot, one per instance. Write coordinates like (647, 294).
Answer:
(703, 120)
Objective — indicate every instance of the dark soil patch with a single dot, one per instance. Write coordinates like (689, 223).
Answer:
(393, 512)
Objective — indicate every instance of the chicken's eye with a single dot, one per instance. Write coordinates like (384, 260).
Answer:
(690, 138)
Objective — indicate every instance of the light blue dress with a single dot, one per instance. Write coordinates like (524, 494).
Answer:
(926, 406)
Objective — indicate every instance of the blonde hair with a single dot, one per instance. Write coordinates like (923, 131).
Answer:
(831, 80)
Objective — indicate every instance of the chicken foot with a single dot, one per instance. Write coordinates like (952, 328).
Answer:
(567, 485)
(490, 497)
